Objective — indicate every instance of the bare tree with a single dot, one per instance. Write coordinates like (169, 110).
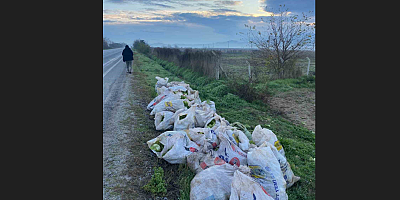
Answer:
(281, 39)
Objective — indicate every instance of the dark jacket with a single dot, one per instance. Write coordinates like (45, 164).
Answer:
(127, 54)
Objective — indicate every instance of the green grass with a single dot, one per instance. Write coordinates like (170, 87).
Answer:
(298, 142)
(156, 185)
(151, 69)
(185, 177)
(284, 85)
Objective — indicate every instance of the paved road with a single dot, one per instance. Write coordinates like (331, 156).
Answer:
(113, 68)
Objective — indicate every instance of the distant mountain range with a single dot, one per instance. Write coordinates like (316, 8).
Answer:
(227, 44)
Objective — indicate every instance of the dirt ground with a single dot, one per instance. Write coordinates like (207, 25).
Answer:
(298, 106)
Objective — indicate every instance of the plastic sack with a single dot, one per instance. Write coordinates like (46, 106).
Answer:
(214, 182)
(260, 135)
(169, 104)
(245, 188)
(176, 83)
(266, 170)
(208, 105)
(164, 120)
(230, 153)
(172, 146)
(215, 122)
(202, 116)
(200, 161)
(235, 136)
(243, 128)
(178, 88)
(287, 172)
(192, 96)
(206, 138)
(161, 90)
(185, 120)
(179, 111)
(161, 82)
(155, 101)
(244, 142)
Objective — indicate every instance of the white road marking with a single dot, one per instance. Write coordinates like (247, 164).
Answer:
(109, 61)
(111, 68)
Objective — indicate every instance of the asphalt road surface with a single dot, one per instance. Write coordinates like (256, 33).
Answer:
(113, 68)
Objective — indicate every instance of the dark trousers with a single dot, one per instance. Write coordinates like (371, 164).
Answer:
(128, 66)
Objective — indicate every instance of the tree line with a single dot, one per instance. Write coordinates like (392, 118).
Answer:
(108, 44)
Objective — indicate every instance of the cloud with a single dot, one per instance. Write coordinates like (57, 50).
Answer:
(146, 2)
(150, 9)
(224, 10)
(296, 7)
(160, 5)
(221, 24)
(108, 21)
(229, 3)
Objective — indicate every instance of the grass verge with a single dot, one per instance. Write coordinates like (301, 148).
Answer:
(157, 184)
(298, 142)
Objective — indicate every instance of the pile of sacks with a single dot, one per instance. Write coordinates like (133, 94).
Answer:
(226, 164)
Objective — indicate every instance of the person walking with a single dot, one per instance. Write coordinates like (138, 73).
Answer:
(127, 57)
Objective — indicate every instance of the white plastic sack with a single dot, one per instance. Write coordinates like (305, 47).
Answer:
(266, 170)
(202, 116)
(205, 138)
(185, 120)
(192, 96)
(157, 145)
(172, 83)
(169, 104)
(245, 188)
(161, 82)
(178, 88)
(172, 146)
(235, 136)
(230, 153)
(215, 122)
(287, 172)
(155, 101)
(164, 120)
(223, 129)
(260, 135)
(179, 111)
(197, 135)
(199, 161)
(244, 142)
(161, 90)
(176, 83)
(214, 182)
(210, 105)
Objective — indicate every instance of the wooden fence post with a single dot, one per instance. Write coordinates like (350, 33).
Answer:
(217, 72)
(216, 66)
(249, 69)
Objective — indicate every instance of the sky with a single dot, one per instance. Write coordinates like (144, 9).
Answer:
(189, 21)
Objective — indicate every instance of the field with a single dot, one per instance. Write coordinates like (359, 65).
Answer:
(297, 140)
(234, 63)
(296, 102)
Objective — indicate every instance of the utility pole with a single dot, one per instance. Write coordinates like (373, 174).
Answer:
(308, 67)
(228, 44)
